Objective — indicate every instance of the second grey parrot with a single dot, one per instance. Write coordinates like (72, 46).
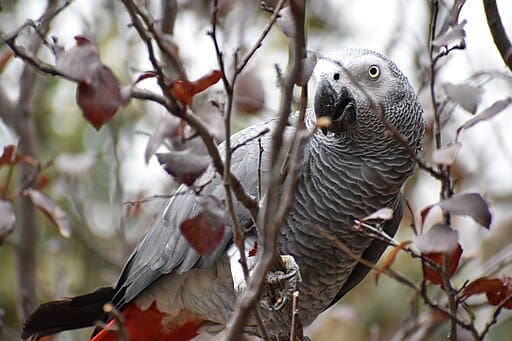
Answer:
(167, 291)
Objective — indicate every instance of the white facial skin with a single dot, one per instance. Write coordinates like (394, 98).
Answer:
(369, 81)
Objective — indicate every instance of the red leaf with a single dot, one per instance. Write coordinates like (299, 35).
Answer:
(496, 290)
(56, 214)
(432, 274)
(42, 181)
(99, 99)
(254, 251)
(145, 75)
(186, 90)
(206, 81)
(184, 165)
(5, 57)
(8, 156)
(82, 40)
(204, 232)
(98, 92)
(7, 219)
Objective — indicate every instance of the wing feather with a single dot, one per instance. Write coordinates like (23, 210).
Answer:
(164, 249)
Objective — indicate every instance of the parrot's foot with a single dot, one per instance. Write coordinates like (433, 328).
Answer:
(277, 301)
(282, 284)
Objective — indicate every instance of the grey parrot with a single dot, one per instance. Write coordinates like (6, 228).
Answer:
(347, 171)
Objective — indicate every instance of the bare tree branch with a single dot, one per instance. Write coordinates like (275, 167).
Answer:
(494, 319)
(24, 124)
(446, 183)
(270, 225)
(499, 35)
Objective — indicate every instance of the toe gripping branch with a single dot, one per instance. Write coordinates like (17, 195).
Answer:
(282, 284)
(277, 308)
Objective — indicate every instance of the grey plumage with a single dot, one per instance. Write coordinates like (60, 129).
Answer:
(347, 172)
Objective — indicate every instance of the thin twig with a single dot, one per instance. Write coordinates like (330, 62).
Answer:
(295, 315)
(245, 59)
(258, 136)
(169, 54)
(495, 315)
(43, 20)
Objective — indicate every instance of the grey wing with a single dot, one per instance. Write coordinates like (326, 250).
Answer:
(164, 249)
(372, 253)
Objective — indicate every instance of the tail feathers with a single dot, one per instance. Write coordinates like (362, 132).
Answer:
(151, 324)
(73, 313)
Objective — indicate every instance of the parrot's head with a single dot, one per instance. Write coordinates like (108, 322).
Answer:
(364, 94)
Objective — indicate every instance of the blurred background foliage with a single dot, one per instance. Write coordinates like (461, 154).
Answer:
(93, 174)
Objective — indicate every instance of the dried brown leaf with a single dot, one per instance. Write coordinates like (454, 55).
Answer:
(467, 96)
(184, 165)
(486, 114)
(7, 219)
(285, 22)
(446, 155)
(54, 212)
(390, 259)
(307, 69)
(453, 35)
(384, 213)
(470, 204)
(168, 128)
(8, 156)
(80, 62)
(249, 93)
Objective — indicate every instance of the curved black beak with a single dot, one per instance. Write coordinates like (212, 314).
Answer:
(339, 106)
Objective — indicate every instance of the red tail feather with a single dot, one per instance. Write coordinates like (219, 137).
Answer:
(152, 324)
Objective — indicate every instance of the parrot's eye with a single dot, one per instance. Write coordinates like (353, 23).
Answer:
(374, 72)
(336, 76)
